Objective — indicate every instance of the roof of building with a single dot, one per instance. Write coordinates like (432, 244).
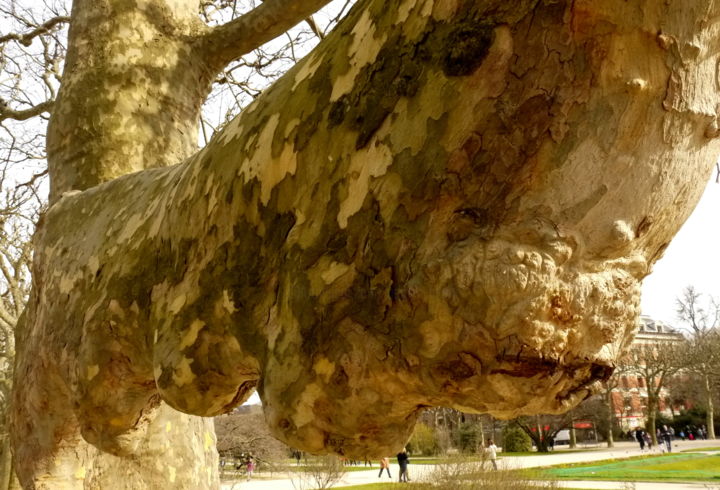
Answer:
(651, 328)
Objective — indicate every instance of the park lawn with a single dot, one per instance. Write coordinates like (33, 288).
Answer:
(375, 486)
(469, 458)
(393, 485)
(668, 467)
(701, 449)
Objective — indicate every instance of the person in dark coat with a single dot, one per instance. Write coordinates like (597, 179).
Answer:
(403, 461)
(640, 438)
(666, 437)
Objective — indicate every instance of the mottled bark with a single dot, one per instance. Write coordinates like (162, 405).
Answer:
(131, 92)
(446, 204)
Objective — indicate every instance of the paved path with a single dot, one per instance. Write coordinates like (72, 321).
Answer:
(622, 450)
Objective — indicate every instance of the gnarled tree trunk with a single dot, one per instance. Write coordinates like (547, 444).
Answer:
(447, 203)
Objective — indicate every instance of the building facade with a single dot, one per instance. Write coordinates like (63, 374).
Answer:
(630, 395)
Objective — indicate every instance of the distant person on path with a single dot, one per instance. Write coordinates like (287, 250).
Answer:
(250, 468)
(492, 453)
(384, 465)
(648, 440)
(667, 438)
(403, 461)
(640, 438)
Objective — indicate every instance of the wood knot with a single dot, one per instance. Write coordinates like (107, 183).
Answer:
(712, 129)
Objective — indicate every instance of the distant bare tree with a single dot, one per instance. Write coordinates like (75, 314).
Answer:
(18, 212)
(654, 363)
(246, 432)
(543, 428)
(609, 386)
(703, 349)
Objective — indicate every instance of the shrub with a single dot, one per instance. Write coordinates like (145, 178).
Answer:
(469, 437)
(423, 441)
(320, 472)
(464, 474)
(515, 439)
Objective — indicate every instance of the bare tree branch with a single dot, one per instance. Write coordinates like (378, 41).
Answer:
(24, 114)
(230, 41)
(27, 38)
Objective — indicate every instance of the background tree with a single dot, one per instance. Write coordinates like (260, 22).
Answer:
(424, 440)
(654, 364)
(543, 428)
(18, 213)
(609, 388)
(244, 431)
(702, 352)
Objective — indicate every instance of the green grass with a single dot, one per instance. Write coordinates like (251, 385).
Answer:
(700, 449)
(377, 486)
(668, 467)
(393, 485)
(478, 457)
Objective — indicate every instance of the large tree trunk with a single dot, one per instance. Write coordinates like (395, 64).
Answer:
(446, 204)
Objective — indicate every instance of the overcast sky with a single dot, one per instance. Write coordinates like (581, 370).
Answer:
(693, 258)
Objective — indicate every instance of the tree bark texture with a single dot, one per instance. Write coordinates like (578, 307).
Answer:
(447, 203)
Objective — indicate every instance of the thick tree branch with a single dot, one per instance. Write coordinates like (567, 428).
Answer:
(22, 115)
(238, 37)
(27, 38)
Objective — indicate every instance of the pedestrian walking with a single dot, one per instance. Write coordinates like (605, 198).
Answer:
(648, 440)
(640, 439)
(491, 452)
(384, 465)
(667, 438)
